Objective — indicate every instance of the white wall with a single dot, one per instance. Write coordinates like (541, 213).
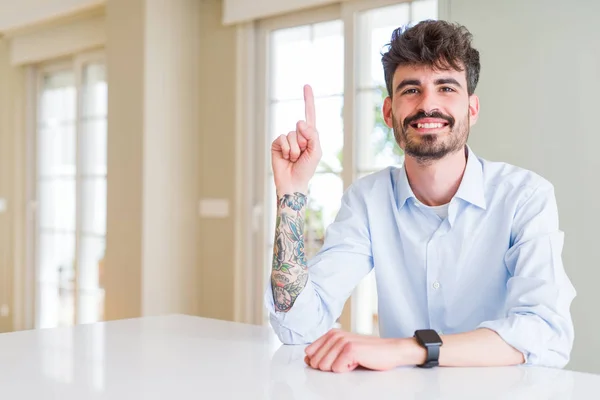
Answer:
(171, 79)
(12, 190)
(171, 140)
(6, 148)
(540, 90)
(19, 13)
(50, 42)
(152, 225)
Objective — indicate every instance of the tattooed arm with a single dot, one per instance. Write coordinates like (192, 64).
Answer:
(289, 274)
(305, 298)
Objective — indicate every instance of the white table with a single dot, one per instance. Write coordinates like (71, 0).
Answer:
(183, 357)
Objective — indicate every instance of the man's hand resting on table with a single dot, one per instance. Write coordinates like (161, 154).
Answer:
(340, 351)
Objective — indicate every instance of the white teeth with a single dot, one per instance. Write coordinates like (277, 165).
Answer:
(430, 125)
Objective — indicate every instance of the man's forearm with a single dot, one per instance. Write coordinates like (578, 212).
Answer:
(477, 348)
(289, 274)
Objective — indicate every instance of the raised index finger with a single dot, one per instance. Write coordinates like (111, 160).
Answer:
(309, 106)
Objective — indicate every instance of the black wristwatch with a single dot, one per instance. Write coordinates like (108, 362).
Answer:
(429, 339)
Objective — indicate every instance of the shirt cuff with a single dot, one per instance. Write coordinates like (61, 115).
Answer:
(507, 332)
(297, 326)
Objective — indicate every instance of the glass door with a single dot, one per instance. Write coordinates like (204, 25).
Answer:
(70, 192)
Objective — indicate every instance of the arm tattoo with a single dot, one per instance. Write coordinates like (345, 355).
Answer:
(289, 274)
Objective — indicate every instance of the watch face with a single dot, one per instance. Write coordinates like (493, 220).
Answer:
(429, 337)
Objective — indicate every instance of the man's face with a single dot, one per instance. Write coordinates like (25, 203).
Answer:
(430, 111)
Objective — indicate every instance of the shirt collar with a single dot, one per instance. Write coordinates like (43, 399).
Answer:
(471, 188)
(404, 190)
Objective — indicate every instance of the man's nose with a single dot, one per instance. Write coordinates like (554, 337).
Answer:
(429, 103)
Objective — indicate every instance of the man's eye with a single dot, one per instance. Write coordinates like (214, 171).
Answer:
(410, 91)
(447, 89)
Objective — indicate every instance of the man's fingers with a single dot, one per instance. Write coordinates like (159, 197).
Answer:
(345, 360)
(317, 358)
(303, 134)
(285, 147)
(330, 352)
(292, 139)
(311, 136)
(316, 345)
(309, 106)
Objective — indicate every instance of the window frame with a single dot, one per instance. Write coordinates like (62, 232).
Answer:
(249, 302)
(76, 64)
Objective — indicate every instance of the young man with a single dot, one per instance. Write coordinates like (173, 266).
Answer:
(466, 252)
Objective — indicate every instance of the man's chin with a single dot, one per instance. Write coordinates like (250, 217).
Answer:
(426, 152)
(425, 140)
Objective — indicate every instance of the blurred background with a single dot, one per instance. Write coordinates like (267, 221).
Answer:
(135, 176)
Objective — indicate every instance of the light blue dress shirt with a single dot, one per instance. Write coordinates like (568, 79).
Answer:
(494, 262)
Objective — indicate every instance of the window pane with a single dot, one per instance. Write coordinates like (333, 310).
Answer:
(56, 164)
(424, 9)
(56, 154)
(365, 319)
(375, 29)
(94, 91)
(56, 306)
(56, 258)
(91, 295)
(330, 124)
(290, 48)
(90, 257)
(93, 147)
(307, 54)
(57, 204)
(376, 145)
(270, 213)
(325, 193)
(328, 59)
(60, 138)
(58, 98)
(284, 116)
(90, 306)
(93, 207)
(48, 305)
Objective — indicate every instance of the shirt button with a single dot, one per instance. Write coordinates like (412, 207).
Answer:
(436, 285)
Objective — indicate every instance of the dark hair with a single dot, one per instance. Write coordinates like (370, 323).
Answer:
(437, 44)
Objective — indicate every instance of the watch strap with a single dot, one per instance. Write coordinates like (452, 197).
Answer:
(433, 356)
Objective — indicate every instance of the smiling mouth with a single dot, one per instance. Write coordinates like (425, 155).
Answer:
(428, 126)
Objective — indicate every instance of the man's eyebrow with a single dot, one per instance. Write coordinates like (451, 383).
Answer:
(408, 82)
(446, 81)
(416, 82)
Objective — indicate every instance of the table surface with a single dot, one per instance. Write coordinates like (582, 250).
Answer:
(185, 357)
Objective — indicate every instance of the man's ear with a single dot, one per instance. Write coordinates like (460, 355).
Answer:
(387, 112)
(473, 109)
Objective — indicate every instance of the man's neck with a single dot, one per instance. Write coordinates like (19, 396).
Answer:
(435, 183)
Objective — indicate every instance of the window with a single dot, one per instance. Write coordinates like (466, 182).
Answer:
(70, 188)
(310, 53)
(338, 51)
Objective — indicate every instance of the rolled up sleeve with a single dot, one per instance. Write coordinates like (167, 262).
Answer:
(334, 272)
(539, 294)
